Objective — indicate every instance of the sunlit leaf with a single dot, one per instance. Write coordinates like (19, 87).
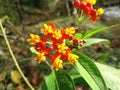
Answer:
(92, 32)
(110, 75)
(89, 71)
(91, 41)
(78, 35)
(49, 83)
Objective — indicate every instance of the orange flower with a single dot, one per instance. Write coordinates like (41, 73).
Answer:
(34, 39)
(47, 29)
(62, 48)
(70, 31)
(57, 64)
(72, 58)
(40, 57)
(100, 11)
(91, 1)
(57, 34)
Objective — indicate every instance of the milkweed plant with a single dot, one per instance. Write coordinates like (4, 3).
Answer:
(60, 48)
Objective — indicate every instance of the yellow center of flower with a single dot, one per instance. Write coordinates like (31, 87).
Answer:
(100, 11)
(91, 1)
(40, 57)
(34, 39)
(70, 31)
(47, 29)
(57, 34)
(72, 58)
(58, 63)
(62, 48)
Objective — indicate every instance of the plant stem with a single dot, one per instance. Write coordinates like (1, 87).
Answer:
(13, 57)
(49, 65)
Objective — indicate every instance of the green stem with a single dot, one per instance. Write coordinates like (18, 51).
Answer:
(13, 57)
(80, 16)
(49, 65)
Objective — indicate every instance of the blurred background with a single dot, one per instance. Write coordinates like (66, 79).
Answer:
(28, 16)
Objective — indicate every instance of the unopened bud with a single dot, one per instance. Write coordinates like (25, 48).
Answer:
(81, 44)
(75, 41)
(84, 41)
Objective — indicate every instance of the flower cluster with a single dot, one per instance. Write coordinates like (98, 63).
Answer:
(53, 46)
(86, 6)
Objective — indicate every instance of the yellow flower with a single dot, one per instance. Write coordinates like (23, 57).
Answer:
(57, 34)
(62, 48)
(47, 29)
(91, 1)
(33, 39)
(57, 64)
(72, 58)
(40, 57)
(100, 11)
(70, 31)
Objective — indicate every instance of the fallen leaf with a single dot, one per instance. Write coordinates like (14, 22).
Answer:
(15, 76)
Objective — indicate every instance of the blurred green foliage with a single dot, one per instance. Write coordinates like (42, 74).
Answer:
(8, 7)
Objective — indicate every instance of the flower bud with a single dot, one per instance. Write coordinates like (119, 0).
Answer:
(75, 41)
(76, 3)
(81, 44)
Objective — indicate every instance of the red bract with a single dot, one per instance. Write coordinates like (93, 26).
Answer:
(52, 25)
(40, 46)
(66, 36)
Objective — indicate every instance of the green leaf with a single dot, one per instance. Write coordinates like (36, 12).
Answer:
(75, 75)
(58, 80)
(64, 81)
(49, 83)
(90, 72)
(91, 41)
(78, 35)
(110, 75)
(92, 32)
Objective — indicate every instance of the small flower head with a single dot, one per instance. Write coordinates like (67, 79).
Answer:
(40, 57)
(47, 29)
(72, 58)
(33, 39)
(100, 11)
(57, 34)
(70, 31)
(91, 1)
(62, 48)
(58, 63)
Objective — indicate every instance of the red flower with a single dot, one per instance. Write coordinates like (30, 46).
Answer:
(82, 5)
(76, 3)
